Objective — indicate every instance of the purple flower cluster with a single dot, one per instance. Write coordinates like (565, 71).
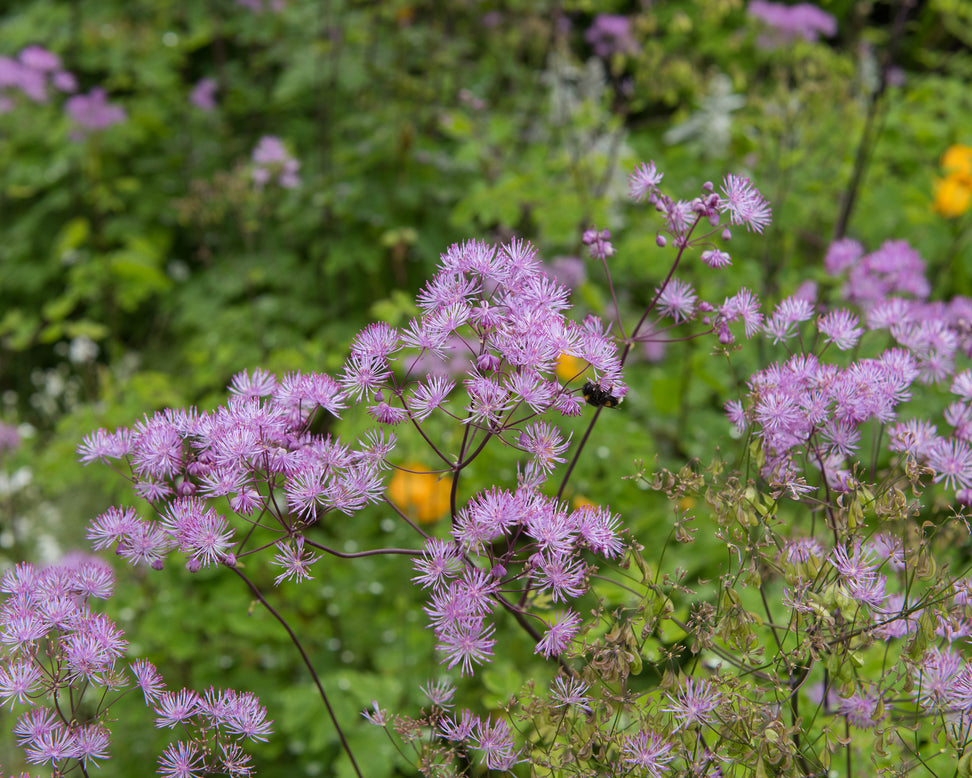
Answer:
(611, 34)
(203, 94)
(807, 408)
(34, 69)
(950, 456)
(859, 576)
(63, 658)
(246, 451)
(493, 739)
(526, 542)
(217, 723)
(93, 112)
(894, 269)
(9, 438)
(495, 308)
(498, 309)
(737, 198)
(943, 684)
(272, 162)
(803, 20)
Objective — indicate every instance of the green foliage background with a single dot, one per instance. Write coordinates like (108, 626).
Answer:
(416, 125)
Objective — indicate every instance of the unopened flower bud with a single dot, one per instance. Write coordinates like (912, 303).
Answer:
(661, 241)
(487, 361)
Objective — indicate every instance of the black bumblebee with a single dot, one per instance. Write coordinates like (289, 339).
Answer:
(598, 397)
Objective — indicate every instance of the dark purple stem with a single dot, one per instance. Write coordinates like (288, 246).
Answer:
(307, 663)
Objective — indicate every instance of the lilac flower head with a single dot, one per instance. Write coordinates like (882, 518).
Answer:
(28, 74)
(598, 243)
(862, 709)
(65, 81)
(375, 715)
(9, 438)
(466, 643)
(458, 731)
(841, 255)
(440, 693)
(694, 703)
(610, 34)
(716, 259)
(92, 112)
(744, 306)
(914, 437)
(678, 299)
(840, 328)
(647, 750)
(951, 460)
(570, 271)
(936, 677)
(495, 740)
(570, 692)
(272, 162)
(790, 312)
(203, 94)
(181, 760)
(40, 59)
(643, 182)
(295, 560)
(52, 746)
(561, 629)
(894, 269)
(148, 679)
(744, 203)
(802, 550)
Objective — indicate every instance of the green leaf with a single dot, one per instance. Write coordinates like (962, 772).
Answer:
(85, 328)
(72, 235)
(60, 307)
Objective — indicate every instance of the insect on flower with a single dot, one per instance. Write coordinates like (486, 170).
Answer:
(599, 397)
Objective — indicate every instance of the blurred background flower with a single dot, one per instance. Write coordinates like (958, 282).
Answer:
(421, 495)
(953, 194)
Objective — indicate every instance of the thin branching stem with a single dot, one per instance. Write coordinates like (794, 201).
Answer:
(307, 663)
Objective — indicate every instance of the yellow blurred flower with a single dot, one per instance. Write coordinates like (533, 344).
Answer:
(580, 501)
(957, 160)
(569, 367)
(953, 195)
(421, 496)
